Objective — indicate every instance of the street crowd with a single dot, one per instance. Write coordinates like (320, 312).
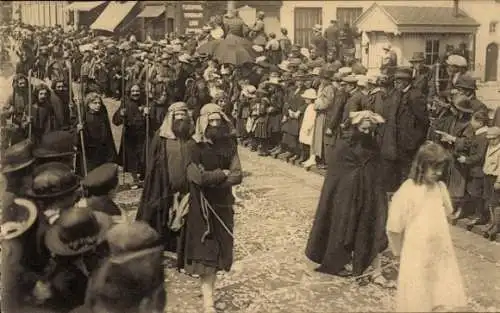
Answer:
(415, 139)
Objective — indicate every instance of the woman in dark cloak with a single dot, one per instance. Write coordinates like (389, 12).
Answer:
(132, 116)
(206, 245)
(98, 139)
(349, 225)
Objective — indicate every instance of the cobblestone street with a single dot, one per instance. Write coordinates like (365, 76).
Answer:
(271, 273)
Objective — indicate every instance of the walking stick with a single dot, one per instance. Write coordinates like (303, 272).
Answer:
(30, 73)
(80, 121)
(147, 117)
(71, 105)
(122, 106)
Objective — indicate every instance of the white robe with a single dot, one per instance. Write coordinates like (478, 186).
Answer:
(429, 276)
(307, 128)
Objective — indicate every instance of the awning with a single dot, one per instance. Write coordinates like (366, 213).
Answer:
(152, 11)
(84, 5)
(113, 15)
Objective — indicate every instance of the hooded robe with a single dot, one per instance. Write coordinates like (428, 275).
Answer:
(352, 210)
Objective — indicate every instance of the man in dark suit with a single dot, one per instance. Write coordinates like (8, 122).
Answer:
(420, 73)
(405, 128)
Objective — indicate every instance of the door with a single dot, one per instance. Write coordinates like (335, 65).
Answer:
(304, 21)
(491, 62)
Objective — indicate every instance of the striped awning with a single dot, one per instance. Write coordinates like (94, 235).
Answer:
(152, 11)
(113, 15)
(84, 5)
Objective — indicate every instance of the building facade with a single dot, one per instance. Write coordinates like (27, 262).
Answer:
(412, 29)
(41, 13)
(300, 16)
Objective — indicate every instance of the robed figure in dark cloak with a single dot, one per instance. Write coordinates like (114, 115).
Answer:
(163, 201)
(214, 168)
(132, 115)
(98, 139)
(349, 225)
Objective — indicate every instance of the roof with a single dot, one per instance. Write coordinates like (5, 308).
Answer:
(84, 5)
(421, 16)
(406, 15)
(113, 15)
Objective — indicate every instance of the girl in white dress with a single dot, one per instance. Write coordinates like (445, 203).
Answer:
(417, 228)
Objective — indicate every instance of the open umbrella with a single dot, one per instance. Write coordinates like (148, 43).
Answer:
(232, 49)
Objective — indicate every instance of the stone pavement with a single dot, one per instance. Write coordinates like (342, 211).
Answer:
(271, 273)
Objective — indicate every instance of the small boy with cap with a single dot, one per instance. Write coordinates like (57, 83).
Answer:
(491, 169)
(99, 187)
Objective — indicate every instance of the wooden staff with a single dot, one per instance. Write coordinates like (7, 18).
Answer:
(30, 91)
(147, 116)
(71, 104)
(122, 106)
(80, 120)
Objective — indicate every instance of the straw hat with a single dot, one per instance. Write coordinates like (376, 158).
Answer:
(310, 94)
(456, 60)
(17, 218)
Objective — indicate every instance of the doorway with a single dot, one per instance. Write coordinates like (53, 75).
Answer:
(491, 71)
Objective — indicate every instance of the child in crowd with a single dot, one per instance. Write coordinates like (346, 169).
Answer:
(471, 152)
(307, 127)
(429, 278)
(491, 171)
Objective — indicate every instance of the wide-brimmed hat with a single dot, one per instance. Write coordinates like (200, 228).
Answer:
(184, 58)
(310, 94)
(403, 73)
(102, 179)
(345, 70)
(17, 218)
(257, 48)
(317, 27)
(493, 132)
(52, 179)
(466, 82)
(456, 60)
(284, 65)
(18, 156)
(350, 79)
(362, 80)
(417, 57)
(249, 91)
(55, 144)
(78, 230)
(462, 103)
(274, 78)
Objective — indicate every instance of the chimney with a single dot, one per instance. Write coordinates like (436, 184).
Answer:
(456, 10)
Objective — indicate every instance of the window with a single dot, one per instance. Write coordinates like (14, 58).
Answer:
(348, 15)
(493, 26)
(431, 51)
(305, 19)
(170, 25)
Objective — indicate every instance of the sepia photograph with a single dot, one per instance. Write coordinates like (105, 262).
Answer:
(249, 156)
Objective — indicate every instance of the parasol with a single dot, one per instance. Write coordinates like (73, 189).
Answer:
(232, 49)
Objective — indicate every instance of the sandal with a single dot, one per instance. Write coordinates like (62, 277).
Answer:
(383, 282)
(363, 281)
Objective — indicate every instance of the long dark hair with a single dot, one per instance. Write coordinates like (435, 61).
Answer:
(430, 155)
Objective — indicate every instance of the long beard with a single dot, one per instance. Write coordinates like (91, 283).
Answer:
(182, 128)
(217, 134)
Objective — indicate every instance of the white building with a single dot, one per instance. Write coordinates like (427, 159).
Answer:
(41, 13)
